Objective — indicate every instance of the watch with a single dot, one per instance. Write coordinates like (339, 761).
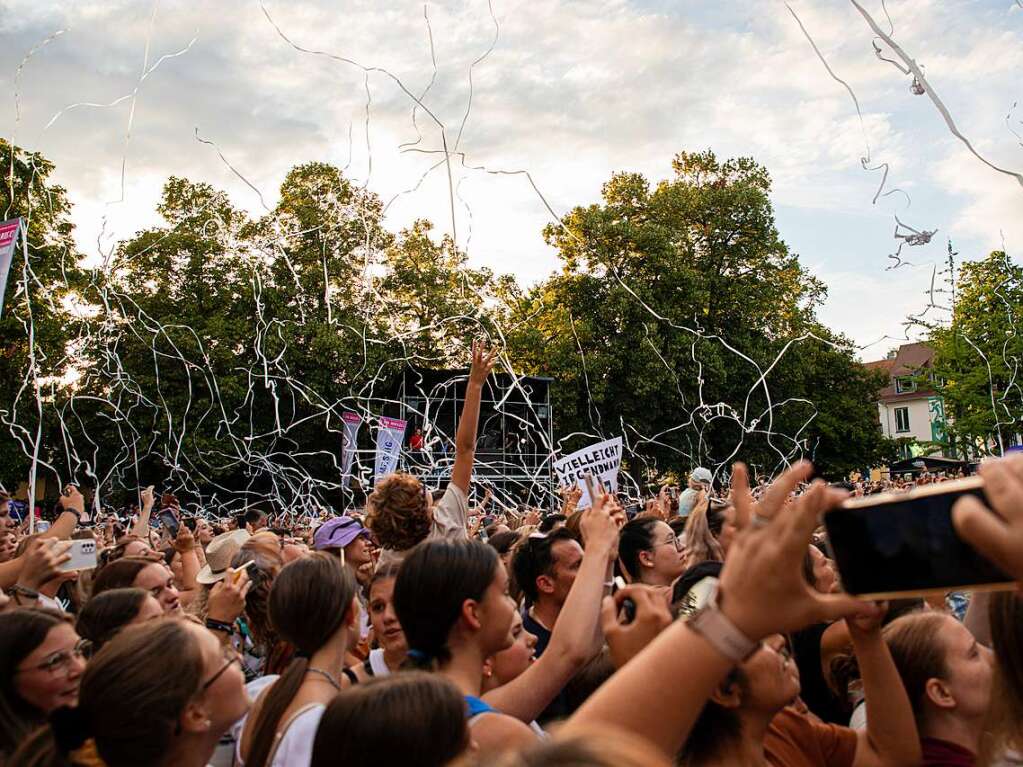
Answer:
(712, 624)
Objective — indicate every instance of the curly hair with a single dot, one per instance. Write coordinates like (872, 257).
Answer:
(397, 512)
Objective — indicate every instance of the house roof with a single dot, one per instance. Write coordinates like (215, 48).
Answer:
(909, 360)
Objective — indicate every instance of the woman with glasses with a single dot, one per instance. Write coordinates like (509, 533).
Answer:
(158, 693)
(650, 553)
(40, 667)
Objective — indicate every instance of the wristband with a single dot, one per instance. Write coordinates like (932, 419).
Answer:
(18, 592)
(714, 626)
(215, 625)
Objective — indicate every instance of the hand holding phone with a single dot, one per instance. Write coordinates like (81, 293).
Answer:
(895, 545)
(82, 555)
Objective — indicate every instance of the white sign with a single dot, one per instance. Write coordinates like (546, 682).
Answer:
(390, 435)
(352, 422)
(602, 460)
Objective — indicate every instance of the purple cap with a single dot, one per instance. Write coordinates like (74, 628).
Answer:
(338, 532)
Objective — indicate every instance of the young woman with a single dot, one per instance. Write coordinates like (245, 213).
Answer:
(138, 572)
(40, 668)
(158, 694)
(312, 607)
(452, 600)
(393, 650)
(650, 553)
(749, 719)
(948, 676)
(107, 613)
(1006, 720)
(409, 718)
(708, 532)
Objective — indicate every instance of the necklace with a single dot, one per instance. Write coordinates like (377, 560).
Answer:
(326, 675)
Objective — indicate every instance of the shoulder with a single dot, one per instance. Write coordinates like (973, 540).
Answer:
(793, 733)
(499, 731)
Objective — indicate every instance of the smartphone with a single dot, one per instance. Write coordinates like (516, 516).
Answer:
(628, 612)
(895, 545)
(83, 555)
(190, 523)
(170, 523)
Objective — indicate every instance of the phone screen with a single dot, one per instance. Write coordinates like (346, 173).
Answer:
(895, 545)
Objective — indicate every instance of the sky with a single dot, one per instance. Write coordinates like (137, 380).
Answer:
(121, 94)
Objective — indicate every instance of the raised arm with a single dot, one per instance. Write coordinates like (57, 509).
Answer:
(660, 693)
(465, 438)
(73, 505)
(576, 637)
(891, 738)
(141, 527)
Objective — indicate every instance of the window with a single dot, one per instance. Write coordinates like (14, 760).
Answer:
(902, 420)
(904, 385)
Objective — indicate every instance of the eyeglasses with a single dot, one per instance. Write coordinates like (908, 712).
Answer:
(59, 662)
(672, 541)
(231, 657)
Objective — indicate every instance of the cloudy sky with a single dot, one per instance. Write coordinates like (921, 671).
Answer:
(572, 91)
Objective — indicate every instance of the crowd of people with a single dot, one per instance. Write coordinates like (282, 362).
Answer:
(706, 627)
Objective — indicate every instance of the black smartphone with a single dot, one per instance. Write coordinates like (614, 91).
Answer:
(895, 545)
(190, 523)
(169, 522)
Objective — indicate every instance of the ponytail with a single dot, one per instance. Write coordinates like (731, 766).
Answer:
(318, 585)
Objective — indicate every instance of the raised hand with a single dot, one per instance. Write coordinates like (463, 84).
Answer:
(626, 640)
(41, 561)
(762, 586)
(227, 597)
(996, 532)
(483, 359)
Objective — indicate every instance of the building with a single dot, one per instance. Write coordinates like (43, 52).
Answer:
(908, 406)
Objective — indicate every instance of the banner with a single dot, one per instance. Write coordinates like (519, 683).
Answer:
(390, 435)
(8, 242)
(601, 460)
(349, 443)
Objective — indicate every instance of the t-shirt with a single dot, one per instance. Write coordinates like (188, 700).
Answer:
(543, 636)
(797, 740)
(450, 517)
(941, 753)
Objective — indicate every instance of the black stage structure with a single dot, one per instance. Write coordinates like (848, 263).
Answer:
(514, 440)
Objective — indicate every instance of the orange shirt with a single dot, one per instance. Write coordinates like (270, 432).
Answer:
(798, 740)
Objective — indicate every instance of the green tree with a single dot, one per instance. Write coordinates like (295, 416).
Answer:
(36, 324)
(978, 363)
(676, 319)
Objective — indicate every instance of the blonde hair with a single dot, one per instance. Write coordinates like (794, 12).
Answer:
(701, 545)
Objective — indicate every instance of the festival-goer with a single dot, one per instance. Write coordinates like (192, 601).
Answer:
(40, 668)
(1004, 744)
(159, 693)
(545, 567)
(700, 481)
(401, 512)
(504, 544)
(452, 600)
(948, 677)
(529, 688)
(708, 532)
(107, 613)
(410, 718)
(392, 653)
(137, 572)
(280, 729)
(650, 553)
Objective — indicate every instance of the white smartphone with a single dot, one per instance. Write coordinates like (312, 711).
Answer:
(83, 555)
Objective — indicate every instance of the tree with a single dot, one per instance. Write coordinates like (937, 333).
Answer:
(37, 325)
(978, 356)
(681, 320)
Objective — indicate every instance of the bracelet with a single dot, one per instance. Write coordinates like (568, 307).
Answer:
(723, 635)
(215, 625)
(17, 592)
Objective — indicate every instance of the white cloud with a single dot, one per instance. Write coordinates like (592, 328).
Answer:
(574, 90)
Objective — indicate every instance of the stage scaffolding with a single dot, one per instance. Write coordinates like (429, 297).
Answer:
(513, 445)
